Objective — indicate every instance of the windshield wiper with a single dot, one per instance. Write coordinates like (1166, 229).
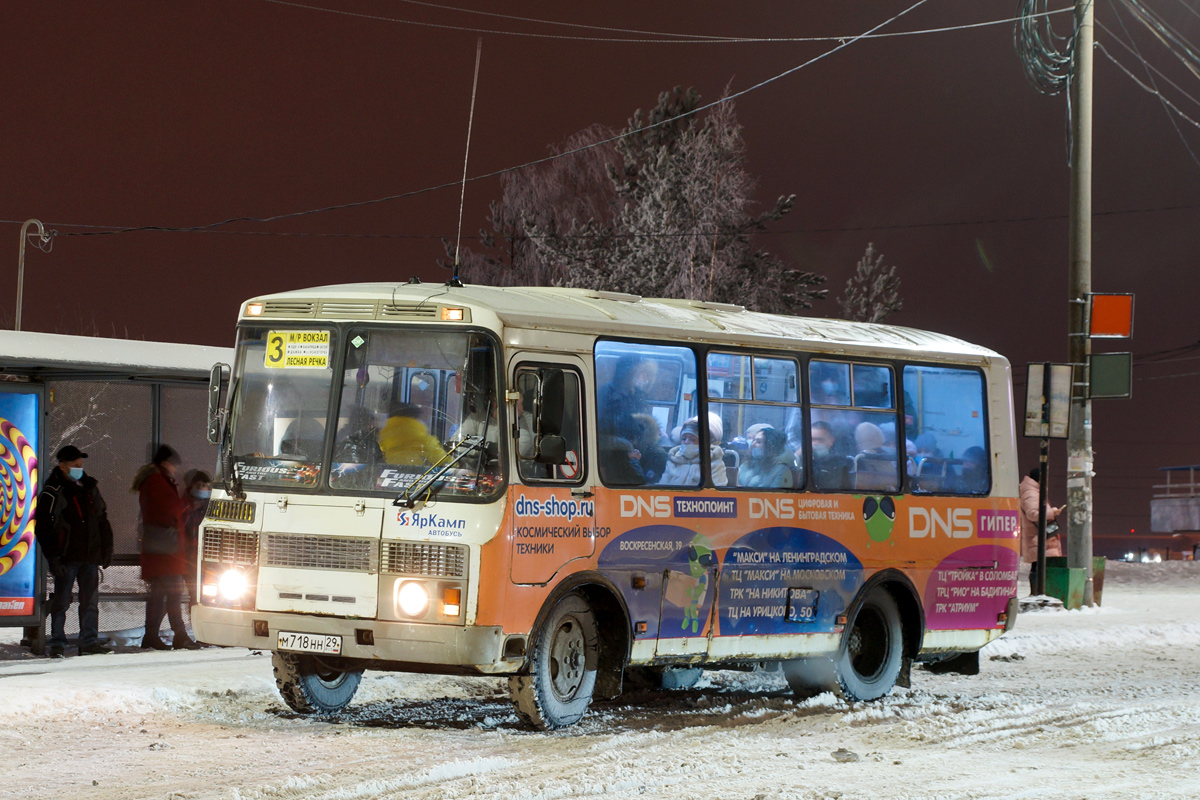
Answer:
(424, 483)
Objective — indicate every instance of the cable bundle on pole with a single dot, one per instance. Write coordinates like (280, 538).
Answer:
(1047, 57)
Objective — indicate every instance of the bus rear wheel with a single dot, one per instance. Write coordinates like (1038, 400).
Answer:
(562, 667)
(311, 686)
(872, 652)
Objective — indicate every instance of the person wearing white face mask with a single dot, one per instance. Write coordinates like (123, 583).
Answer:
(683, 462)
(73, 530)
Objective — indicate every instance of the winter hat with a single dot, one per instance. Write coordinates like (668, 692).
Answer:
(692, 427)
(868, 436)
(715, 429)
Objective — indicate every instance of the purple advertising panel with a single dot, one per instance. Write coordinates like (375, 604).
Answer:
(19, 416)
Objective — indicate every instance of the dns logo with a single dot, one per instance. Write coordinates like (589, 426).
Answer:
(658, 505)
(955, 523)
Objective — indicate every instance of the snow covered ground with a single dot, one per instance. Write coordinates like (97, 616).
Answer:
(1099, 703)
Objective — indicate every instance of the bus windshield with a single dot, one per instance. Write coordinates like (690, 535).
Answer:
(407, 398)
(402, 401)
(281, 405)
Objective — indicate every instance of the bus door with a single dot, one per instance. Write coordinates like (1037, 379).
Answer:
(554, 511)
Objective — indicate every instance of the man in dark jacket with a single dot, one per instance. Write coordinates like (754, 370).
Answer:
(75, 535)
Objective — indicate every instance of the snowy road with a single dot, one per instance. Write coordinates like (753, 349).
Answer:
(1095, 704)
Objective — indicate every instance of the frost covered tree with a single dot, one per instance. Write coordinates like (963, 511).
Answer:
(661, 211)
(873, 291)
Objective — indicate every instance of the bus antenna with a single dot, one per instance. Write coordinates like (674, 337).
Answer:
(470, 122)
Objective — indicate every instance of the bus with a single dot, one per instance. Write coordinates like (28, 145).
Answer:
(580, 489)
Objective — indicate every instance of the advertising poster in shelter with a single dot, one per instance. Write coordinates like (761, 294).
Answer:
(19, 414)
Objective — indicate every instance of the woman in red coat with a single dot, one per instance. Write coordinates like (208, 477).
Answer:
(163, 548)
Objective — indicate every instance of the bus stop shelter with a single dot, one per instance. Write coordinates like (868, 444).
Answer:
(116, 400)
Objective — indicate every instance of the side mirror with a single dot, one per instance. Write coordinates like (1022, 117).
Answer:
(214, 403)
(552, 450)
(550, 403)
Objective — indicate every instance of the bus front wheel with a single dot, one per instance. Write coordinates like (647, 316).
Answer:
(310, 686)
(558, 687)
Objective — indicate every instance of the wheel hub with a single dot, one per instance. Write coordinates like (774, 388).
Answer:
(566, 659)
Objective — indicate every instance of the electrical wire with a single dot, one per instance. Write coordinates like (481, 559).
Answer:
(1047, 57)
(516, 18)
(1180, 47)
(1149, 89)
(676, 38)
(1138, 55)
(639, 131)
(1167, 106)
(769, 232)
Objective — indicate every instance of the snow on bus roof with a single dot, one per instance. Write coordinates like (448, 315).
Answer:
(593, 311)
(31, 353)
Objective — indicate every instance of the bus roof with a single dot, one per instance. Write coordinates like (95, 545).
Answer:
(613, 313)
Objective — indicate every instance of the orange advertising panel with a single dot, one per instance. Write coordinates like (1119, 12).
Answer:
(712, 563)
(1111, 316)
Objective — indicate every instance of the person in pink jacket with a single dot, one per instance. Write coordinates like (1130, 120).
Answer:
(1029, 525)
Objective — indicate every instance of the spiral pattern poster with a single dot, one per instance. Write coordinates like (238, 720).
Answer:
(18, 502)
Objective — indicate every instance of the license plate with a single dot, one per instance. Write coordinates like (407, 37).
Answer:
(325, 643)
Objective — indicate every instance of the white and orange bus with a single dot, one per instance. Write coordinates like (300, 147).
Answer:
(567, 487)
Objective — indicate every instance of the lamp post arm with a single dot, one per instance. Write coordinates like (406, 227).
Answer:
(21, 265)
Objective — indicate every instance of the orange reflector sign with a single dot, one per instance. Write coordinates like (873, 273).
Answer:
(1110, 316)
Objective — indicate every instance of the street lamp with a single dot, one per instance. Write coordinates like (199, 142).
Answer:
(43, 239)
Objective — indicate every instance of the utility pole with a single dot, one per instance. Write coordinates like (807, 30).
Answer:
(1079, 437)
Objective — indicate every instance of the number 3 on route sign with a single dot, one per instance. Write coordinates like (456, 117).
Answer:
(275, 349)
(570, 469)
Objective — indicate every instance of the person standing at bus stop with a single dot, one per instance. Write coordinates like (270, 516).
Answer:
(1029, 525)
(164, 548)
(73, 529)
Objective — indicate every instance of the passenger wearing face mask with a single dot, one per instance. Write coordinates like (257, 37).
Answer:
(684, 462)
(830, 470)
(74, 533)
(197, 491)
(770, 463)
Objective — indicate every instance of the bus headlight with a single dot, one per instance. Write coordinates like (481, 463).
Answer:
(232, 585)
(411, 598)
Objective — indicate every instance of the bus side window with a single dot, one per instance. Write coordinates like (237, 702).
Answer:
(641, 392)
(949, 455)
(757, 399)
(854, 428)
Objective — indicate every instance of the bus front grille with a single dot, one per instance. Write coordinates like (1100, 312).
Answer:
(321, 552)
(231, 547)
(419, 558)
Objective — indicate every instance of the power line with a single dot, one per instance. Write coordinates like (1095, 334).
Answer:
(357, 204)
(1154, 84)
(105, 229)
(643, 37)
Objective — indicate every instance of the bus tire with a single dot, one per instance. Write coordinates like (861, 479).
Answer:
(808, 677)
(558, 687)
(309, 686)
(872, 653)
(662, 677)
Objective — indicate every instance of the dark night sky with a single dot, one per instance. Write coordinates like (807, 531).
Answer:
(179, 114)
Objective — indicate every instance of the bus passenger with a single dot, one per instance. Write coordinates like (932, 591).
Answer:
(621, 462)
(869, 438)
(406, 441)
(649, 444)
(770, 464)
(626, 395)
(683, 462)
(830, 470)
(973, 479)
